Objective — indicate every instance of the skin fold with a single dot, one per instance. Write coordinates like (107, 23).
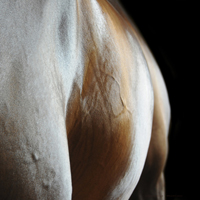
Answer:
(84, 111)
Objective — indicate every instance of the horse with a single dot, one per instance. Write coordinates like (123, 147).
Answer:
(84, 110)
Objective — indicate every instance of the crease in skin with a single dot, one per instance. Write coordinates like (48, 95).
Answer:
(100, 67)
(119, 46)
(121, 98)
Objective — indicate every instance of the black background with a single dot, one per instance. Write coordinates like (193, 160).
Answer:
(170, 29)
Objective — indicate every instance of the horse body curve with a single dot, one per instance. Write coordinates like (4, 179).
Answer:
(83, 105)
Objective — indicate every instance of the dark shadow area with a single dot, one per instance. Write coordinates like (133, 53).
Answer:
(170, 29)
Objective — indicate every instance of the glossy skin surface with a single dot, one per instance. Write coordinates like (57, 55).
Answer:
(79, 94)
